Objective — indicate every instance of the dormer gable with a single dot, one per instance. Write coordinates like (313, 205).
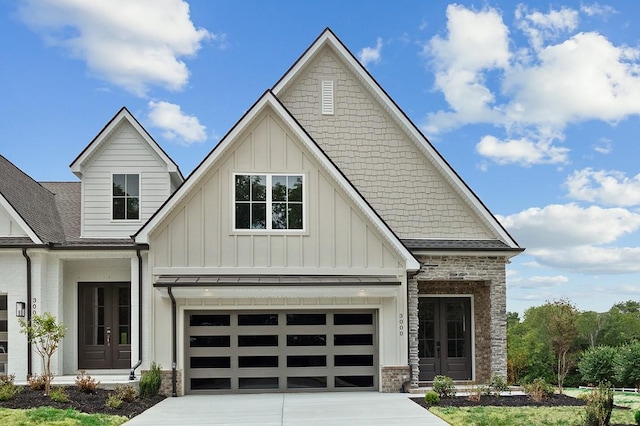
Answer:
(125, 177)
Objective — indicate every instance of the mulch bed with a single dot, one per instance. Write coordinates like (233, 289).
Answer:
(505, 401)
(85, 402)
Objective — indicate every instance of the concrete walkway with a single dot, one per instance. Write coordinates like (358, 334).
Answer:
(290, 409)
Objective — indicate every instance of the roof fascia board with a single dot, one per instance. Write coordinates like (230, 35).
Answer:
(124, 114)
(19, 220)
(328, 37)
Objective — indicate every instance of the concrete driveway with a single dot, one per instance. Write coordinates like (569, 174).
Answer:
(290, 409)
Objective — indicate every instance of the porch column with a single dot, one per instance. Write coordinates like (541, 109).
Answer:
(414, 360)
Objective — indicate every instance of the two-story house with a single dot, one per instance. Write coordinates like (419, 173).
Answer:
(323, 244)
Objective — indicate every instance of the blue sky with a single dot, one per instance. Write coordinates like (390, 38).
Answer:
(536, 105)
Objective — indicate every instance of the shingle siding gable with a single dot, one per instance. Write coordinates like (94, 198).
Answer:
(367, 144)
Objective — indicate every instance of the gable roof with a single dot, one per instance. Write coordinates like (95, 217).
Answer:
(77, 166)
(30, 204)
(328, 39)
(268, 100)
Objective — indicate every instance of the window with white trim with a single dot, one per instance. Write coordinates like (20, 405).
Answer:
(126, 197)
(268, 201)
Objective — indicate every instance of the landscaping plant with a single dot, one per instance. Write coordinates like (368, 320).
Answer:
(7, 388)
(431, 398)
(86, 383)
(539, 389)
(636, 417)
(45, 334)
(150, 381)
(599, 405)
(444, 386)
(58, 394)
(598, 364)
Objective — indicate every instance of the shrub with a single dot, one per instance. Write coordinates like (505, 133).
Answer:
(598, 364)
(628, 365)
(498, 384)
(444, 386)
(58, 394)
(150, 381)
(599, 405)
(474, 392)
(7, 379)
(113, 401)
(126, 393)
(539, 389)
(8, 391)
(431, 398)
(636, 416)
(86, 383)
(37, 382)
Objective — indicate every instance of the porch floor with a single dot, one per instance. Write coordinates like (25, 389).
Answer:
(107, 381)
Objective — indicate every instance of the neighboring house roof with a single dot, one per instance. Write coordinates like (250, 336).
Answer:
(328, 38)
(269, 100)
(78, 165)
(30, 204)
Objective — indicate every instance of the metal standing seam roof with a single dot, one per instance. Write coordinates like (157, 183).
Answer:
(283, 280)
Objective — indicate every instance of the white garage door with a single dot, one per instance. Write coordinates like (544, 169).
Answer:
(280, 351)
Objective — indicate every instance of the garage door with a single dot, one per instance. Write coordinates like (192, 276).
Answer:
(280, 351)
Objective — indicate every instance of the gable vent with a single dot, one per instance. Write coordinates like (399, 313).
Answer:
(327, 97)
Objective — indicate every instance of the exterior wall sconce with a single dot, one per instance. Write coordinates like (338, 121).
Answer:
(21, 308)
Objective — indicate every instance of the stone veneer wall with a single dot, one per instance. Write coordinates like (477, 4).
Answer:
(393, 377)
(485, 278)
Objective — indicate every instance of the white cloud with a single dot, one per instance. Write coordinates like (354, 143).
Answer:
(561, 77)
(132, 44)
(175, 124)
(521, 151)
(476, 42)
(540, 282)
(609, 187)
(569, 225)
(604, 146)
(370, 55)
(540, 27)
(596, 9)
(577, 239)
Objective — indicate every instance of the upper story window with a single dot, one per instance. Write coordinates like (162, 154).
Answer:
(126, 197)
(268, 202)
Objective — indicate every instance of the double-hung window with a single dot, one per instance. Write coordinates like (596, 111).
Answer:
(126, 197)
(268, 201)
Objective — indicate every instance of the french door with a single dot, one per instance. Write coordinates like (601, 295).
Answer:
(444, 337)
(104, 325)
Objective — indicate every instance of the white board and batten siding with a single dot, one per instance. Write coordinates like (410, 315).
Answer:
(199, 233)
(125, 153)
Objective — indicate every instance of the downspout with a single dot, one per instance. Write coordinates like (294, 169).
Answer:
(132, 373)
(29, 306)
(174, 392)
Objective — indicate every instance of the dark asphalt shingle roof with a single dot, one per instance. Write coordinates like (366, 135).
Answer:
(428, 244)
(34, 203)
(51, 209)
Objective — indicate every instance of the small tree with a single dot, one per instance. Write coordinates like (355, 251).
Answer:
(563, 331)
(45, 334)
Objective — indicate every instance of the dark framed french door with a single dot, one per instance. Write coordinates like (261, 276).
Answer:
(444, 337)
(104, 325)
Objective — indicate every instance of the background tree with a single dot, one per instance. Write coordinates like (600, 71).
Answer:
(45, 334)
(562, 324)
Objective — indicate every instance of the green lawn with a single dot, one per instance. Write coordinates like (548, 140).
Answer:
(535, 416)
(53, 416)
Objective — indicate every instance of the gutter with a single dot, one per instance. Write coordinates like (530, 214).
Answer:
(29, 305)
(174, 393)
(132, 373)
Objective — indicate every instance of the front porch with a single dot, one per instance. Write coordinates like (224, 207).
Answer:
(107, 381)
